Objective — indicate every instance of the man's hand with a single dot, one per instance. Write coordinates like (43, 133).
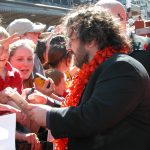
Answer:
(38, 113)
(22, 118)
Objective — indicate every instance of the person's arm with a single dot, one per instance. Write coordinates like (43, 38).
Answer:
(58, 98)
(39, 98)
(5, 42)
(116, 92)
(53, 102)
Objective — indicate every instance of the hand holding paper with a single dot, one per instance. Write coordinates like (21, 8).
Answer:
(17, 98)
(34, 111)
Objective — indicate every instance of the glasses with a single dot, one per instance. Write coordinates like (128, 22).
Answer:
(69, 41)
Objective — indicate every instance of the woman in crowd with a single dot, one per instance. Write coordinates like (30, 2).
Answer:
(10, 77)
(22, 58)
(60, 58)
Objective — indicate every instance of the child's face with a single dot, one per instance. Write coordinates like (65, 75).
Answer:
(23, 60)
(4, 55)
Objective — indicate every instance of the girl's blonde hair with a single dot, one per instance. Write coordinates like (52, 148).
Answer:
(25, 43)
(29, 44)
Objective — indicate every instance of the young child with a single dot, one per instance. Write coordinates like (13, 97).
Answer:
(59, 80)
(9, 76)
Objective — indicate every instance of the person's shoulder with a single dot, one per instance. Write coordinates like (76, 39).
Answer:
(122, 59)
(117, 58)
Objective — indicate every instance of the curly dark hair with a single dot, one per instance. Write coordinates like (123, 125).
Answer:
(93, 23)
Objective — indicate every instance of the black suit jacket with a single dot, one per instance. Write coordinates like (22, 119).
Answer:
(114, 111)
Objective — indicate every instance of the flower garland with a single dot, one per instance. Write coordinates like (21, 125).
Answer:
(79, 82)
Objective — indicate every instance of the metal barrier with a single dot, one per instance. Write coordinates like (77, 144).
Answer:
(64, 3)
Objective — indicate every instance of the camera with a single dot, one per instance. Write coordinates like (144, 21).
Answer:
(39, 80)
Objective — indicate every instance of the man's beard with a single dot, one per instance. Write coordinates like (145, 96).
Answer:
(81, 56)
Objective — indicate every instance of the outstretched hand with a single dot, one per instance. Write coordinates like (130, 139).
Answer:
(38, 113)
(35, 98)
(5, 42)
(20, 116)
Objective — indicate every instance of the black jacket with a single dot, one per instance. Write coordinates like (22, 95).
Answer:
(114, 111)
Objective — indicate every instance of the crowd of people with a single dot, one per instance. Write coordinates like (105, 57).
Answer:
(95, 93)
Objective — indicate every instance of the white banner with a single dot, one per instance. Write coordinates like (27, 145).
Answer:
(7, 131)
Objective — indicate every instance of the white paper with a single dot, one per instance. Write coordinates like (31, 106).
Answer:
(7, 131)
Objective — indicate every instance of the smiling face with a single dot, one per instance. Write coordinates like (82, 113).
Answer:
(23, 60)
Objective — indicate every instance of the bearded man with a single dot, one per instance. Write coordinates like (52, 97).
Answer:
(108, 106)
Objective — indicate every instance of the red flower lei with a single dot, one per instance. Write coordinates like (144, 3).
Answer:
(79, 82)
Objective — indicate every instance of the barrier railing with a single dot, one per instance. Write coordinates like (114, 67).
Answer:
(63, 3)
